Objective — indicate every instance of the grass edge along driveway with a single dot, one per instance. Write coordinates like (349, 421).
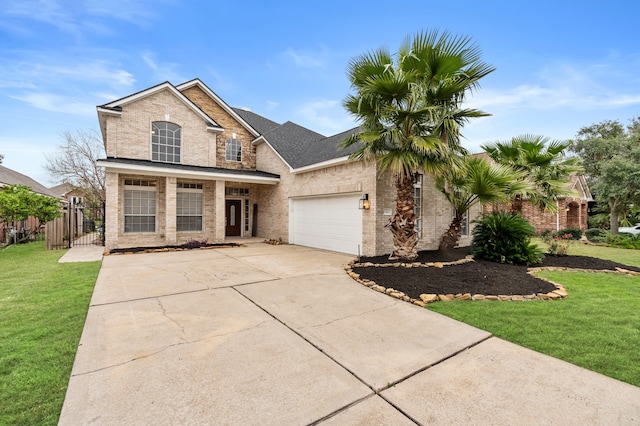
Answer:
(597, 327)
(43, 306)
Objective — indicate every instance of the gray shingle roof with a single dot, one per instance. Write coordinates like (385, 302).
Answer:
(297, 145)
(11, 177)
(258, 122)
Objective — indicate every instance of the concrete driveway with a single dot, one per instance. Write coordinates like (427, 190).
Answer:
(281, 335)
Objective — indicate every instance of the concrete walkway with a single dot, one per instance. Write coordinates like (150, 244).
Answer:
(280, 335)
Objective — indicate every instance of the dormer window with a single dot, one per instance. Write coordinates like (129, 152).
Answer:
(233, 150)
(165, 142)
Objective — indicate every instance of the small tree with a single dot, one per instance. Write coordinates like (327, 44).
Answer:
(18, 202)
(76, 163)
(476, 180)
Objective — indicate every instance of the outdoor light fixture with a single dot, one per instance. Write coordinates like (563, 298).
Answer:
(364, 204)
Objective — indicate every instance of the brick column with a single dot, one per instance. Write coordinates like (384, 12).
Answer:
(219, 211)
(170, 210)
(112, 212)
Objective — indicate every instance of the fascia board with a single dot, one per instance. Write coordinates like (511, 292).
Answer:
(322, 165)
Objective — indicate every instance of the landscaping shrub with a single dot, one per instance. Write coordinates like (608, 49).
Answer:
(505, 238)
(596, 235)
(576, 233)
(624, 240)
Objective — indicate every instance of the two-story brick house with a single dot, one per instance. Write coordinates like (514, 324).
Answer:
(182, 164)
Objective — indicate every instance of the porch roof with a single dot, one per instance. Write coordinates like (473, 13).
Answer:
(130, 165)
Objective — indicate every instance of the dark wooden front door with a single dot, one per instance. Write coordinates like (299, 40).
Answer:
(233, 218)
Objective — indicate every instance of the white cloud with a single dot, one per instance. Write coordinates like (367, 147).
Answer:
(271, 105)
(325, 116)
(57, 103)
(305, 59)
(163, 71)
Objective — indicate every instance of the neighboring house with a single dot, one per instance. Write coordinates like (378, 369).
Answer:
(11, 177)
(572, 211)
(183, 165)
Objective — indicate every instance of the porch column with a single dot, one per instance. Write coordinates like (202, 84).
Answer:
(112, 211)
(220, 211)
(170, 211)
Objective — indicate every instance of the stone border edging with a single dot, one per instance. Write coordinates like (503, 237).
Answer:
(559, 293)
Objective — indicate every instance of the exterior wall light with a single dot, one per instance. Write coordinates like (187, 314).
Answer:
(364, 204)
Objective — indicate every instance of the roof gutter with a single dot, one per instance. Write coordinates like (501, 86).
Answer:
(328, 163)
(163, 171)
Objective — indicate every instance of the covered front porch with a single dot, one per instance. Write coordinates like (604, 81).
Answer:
(151, 205)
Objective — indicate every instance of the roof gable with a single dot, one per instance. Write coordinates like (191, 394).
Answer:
(115, 107)
(222, 104)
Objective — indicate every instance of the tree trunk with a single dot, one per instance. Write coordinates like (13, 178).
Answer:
(613, 219)
(516, 206)
(452, 235)
(402, 224)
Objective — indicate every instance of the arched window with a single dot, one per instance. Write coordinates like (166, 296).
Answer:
(165, 142)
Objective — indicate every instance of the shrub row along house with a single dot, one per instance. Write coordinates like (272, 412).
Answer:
(183, 165)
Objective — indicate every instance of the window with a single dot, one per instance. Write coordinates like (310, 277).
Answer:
(233, 150)
(139, 205)
(246, 215)
(189, 207)
(464, 224)
(165, 142)
(237, 192)
(417, 199)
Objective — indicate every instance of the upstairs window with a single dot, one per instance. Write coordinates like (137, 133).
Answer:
(233, 150)
(165, 142)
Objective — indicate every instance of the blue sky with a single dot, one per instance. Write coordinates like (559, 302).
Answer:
(560, 65)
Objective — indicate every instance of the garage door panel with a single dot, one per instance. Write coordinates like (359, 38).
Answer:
(332, 223)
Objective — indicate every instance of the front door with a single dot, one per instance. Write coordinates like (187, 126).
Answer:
(233, 218)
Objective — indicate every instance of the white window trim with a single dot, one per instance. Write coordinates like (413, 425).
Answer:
(226, 150)
(193, 191)
(151, 143)
(418, 185)
(151, 187)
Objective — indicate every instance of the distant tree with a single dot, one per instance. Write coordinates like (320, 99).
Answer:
(1, 158)
(409, 107)
(15, 203)
(476, 180)
(18, 202)
(545, 164)
(76, 163)
(610, 154)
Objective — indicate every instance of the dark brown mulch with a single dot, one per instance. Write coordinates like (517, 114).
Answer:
(478, 277)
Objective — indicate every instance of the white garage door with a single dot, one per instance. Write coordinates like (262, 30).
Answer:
(331, 223)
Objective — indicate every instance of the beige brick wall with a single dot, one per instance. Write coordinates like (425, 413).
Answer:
(572, 213)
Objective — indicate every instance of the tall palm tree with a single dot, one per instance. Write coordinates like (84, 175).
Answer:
(476, 180)
(408, 106)
(545, 163)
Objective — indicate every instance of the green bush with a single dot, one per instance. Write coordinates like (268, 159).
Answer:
(596, 235)
(623, 240)
(505, 238)
(576, 233)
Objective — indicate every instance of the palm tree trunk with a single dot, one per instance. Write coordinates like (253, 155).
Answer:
(451, 237)
(402, 224)
(516, 206)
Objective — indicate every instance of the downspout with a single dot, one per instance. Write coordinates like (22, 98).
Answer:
(557, 216)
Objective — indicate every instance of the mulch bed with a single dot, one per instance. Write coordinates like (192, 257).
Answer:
(478, 277)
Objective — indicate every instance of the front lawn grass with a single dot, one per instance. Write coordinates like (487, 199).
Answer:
(43, 305)
(597, 327)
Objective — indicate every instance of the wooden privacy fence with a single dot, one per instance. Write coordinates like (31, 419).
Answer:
(76, 227)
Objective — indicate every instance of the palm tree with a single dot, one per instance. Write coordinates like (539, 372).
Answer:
(476, 180)
(408, 106)
(545, 164)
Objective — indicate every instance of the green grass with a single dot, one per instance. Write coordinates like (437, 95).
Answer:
(620, 255)
(597, 327)
(43, 305)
